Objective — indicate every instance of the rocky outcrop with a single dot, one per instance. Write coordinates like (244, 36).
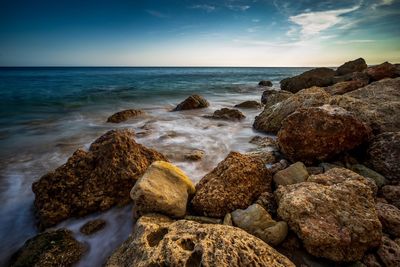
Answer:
(382, 71)
(92, 226)
(256, 221)
(48, 249)
(192, 102)
(158, 241)
(392, 194)
(295, 173)
(333, 214)
(227, 114)
(249, 104)
(164, 189)
(356, 65)
(384, 154)
(389, 216)
(271, 97)
(125, 115)
(265, 83)
(270, 120)
(93, 180)
(319, 133)
(320, 77)
(235, 183)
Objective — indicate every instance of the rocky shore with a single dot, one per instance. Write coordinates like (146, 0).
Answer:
(324, 192)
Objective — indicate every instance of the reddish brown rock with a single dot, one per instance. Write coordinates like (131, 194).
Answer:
(227, 114)
(235, 183)
(93, 180)
(345, 87)
(320, 77)
(319, 133)
(92, 226)
(389, 252)
(271, 97)
(389, 216)
(352, 66)
(125, 115)
(392, 194)
(382, 71)
(248, 104)
(192, 102)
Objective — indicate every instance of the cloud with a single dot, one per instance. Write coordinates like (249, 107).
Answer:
(382, 3)
(238, 7)
(207, 8)
(157, 14)
(355, 41)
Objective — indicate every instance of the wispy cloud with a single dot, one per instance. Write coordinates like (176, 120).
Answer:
(207, 8)
(382, 3)
(157, 14)
(355, 41)
(238, 7)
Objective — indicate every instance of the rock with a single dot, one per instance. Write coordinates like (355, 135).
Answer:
(93, 180)
(282, 164)
(267, 201)
(389, 216)
(263, 141)
(192, 102)
(203, 219)
(392, 194)
(345, 87)
(295, 173)
(228, 219)
(235, 183)
(320, 133)
(164, 189)
(367, 172)
(125, 115)
(227, 114)
(333, 214)
(271, 97)
(48, 249)
(92, 226)
(327, 166)
(256, 221)
(270, 120)
(352, 66)
(265, 83)
(389, 252)
(249, 104)
(320, 77)
(158, 241)
(382, 71)
(374, 104)
(195, 155)
(315, 170)
(266, 157)
(384, 154)
(371, 260)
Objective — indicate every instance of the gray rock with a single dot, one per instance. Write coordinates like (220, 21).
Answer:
(295, 173)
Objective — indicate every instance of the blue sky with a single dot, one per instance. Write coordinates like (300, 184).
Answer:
(198, 33)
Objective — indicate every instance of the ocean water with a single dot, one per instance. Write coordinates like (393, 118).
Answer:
(47, 113)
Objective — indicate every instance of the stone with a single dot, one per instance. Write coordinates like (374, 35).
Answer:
(265, 156)
(327, 166)
(158, 241)
(270, 120)
(345, 87)
(228, 219)
(271, 97)
(195, 155)
(164, 189)
(92, 226)
(192, 102)
(389, 252)
(389, 216)
(371, 260)
(315, 170)
(382, 71)
(263, 141)
(333, 214)
(267, 201)
(367, 172)
(227, 114)
(295, 173)
(48, 249)
(358, 64)
(320, 77)
(203, 219)
(256, 221)
(235, 183)
(249, 104)
(94, 180)
(282, 164)
(384, 154)
(392, 194)
(265, 83)
(125, 115)
(320, 133)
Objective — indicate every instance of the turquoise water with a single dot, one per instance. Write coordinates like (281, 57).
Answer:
(47, 113)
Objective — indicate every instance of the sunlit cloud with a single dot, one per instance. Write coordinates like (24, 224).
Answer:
(238, 7)
(207, 8)
(355, 41)
(382, 3)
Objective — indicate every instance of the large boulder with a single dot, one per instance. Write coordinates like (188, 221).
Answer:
(235, 183)
(159, 241)
(320, 77)
(345, 87)
(333, 214)
(125, 115)
(249, 104)
(48, 249)
(270, 120)
(192, 102)
(384, 155)
(382, 71)
(376, 104)
(93, 180)
(271, 97)
(352, 66)
(389, 216)
(164, 189)
(228, 114)
(319, 133)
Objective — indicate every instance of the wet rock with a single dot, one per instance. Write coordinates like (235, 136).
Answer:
(270, 120)
(392, 194)
(125, 115)
(266, 157)
(271, 97)
(345, 87)
(282, 164)
(384, 155)
(164, 189)
(265, 83)
(367, 172)
(319, 133)
(256, 221)
(227, 114)
(389, 216)
(295, 173)
(195, 155)
(382, 71)
(267, 201)
(389, 252)
(249, 104)
(158, 241)
(263, 141)
(235, 183)
(48, 249)
(320, 77)
(358, 64)
(93, 180)
(333, 214)
(92, 226)
(192, 102)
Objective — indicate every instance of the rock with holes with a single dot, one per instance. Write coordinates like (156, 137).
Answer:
(356, 65)
(382, 71)
(392, 194)
(235, 183)
(389, 252)
(93, 180)
(333, 214)
(320, 77)
(249, 104)
(267, 201)
(295, 173)
(125, 115)
(192, 102)
(159, 241)
(389, 216)
(163, 188)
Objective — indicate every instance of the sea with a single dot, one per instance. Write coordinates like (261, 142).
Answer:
(46, 113)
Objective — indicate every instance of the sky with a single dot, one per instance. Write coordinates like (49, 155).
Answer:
(198, 33)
